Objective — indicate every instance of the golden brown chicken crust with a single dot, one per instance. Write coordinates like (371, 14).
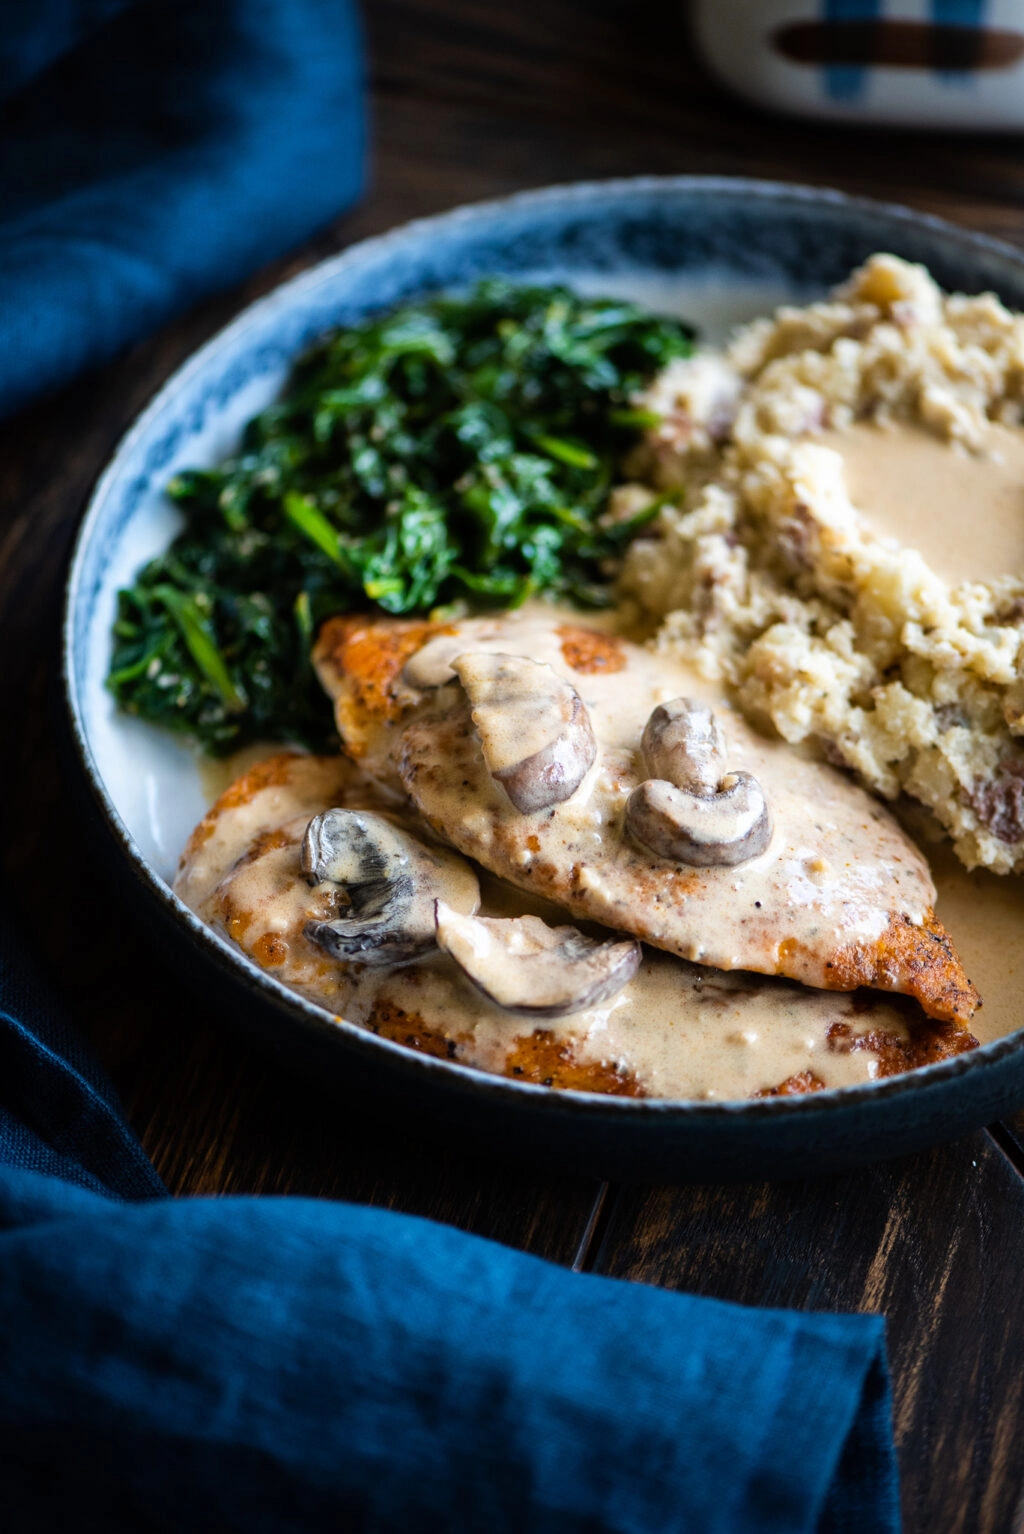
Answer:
(273, 772)
(412, 1031)
(590, 652)
(543, 1059)
(929, 1040)
(538, 1057)
(370, 652)
(270, 951)
(918, 960)
(359, 661)
(794, 1086)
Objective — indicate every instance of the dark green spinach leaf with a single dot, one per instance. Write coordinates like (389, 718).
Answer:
(459, 450)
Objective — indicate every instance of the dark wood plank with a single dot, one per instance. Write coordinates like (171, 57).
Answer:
(935, 1242)
(1011, 1137)
(267, 1131)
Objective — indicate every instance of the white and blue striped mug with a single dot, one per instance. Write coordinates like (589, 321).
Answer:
(917, 63)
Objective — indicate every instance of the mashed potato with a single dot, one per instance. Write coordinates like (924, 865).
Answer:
(762, 571)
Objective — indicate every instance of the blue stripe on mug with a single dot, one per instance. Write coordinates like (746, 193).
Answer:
(845, 82)
(959, 13)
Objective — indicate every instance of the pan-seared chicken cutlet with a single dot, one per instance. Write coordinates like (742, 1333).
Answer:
(615, 782)
(323, 884)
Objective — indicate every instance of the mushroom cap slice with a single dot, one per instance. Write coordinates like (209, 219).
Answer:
(717, 830)
(534, 730)
(390, 881)
(531, 969)
(683, 744)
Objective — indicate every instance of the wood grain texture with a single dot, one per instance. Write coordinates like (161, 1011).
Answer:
(931, 1242)
(472, 102)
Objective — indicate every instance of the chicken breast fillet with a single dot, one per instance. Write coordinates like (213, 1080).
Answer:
(811, 878)
(243, 873)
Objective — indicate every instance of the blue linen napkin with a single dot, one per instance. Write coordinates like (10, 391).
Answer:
(269, 1364)
(152, 151)
(274, 1364)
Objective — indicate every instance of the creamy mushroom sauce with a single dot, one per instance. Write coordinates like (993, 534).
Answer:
(518, 708)
(678, 1030)
(986, 913)
(536, 970)
(834, 875)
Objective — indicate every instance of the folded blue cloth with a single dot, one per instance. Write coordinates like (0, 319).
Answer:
(278, 1364)
(151, 152)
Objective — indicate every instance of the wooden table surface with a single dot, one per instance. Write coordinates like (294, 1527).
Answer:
(471, 102)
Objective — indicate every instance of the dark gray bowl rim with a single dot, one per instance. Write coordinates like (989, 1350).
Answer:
(397, 1057)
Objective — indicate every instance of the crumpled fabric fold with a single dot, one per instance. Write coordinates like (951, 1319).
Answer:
(153, 152)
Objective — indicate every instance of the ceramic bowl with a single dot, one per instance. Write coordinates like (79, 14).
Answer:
(717, 250)
(957, 64)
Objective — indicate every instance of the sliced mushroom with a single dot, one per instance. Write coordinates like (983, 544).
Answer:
(683, 744)
(534, 730)
(703, 830)
(431, 666)
(527, 967)
(389, 881)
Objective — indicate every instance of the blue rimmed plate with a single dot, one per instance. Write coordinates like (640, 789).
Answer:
(717, 250)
